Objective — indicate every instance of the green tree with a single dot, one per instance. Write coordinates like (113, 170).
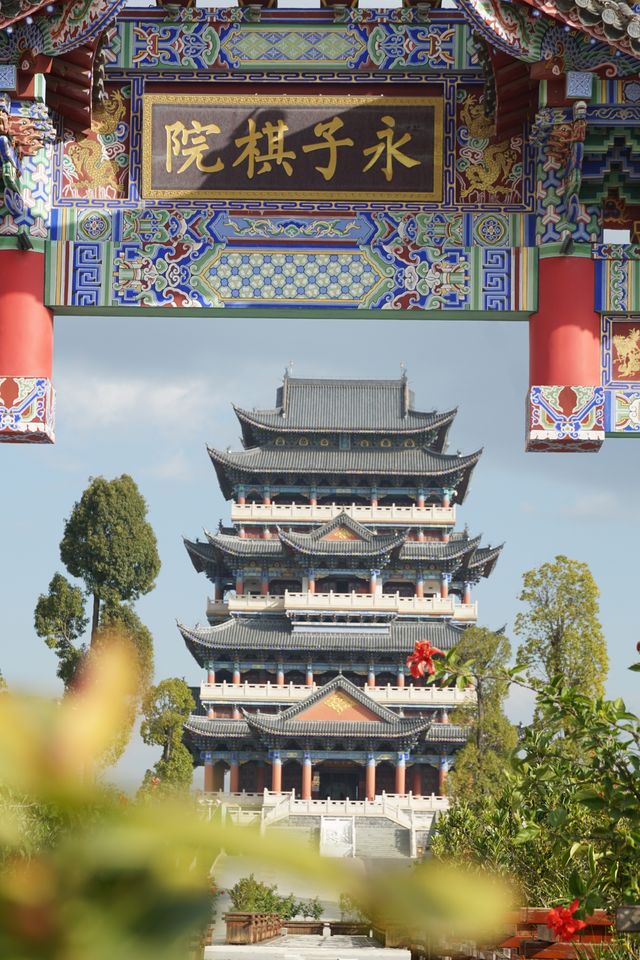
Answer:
(60, 620)
(109, 544)
(565, 822)
(121, 617)
(560, 627)
(478, 764)
(165, 709)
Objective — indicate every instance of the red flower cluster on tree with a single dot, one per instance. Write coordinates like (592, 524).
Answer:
(563, 923)
(421, 660)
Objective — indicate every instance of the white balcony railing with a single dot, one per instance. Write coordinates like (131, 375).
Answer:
(345, 603)
(323, 512)
(295, 692)
(381, 603)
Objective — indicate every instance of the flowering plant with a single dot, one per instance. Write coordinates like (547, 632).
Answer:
(421, 660)
(563, 922)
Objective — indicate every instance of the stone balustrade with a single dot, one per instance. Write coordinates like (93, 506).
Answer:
(429, 515)
(295, 692)
(346, 603)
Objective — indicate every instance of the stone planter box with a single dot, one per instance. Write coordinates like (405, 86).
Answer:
(251, 927)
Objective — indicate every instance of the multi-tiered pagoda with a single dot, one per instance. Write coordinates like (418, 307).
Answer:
(342, 554)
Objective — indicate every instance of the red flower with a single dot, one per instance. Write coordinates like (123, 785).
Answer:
(563, 923)
(421, 660)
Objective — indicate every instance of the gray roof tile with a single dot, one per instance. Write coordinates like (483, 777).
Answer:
(353, 406)
(415, 463)
(275, 635)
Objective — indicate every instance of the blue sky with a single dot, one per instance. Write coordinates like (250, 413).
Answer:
(144, 396)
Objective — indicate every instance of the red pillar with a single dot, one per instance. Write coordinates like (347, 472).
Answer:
(443, 773)
(260, 777)
(236, 675)
(26, 326)
(26, 335)
(416, 786)
(234, 777)
(306, 778)
(276, 774)
(401, 775)
(564, 335)
(309, 676)
(211, 675)
(564, 350)
(208, 777)
(370, 784)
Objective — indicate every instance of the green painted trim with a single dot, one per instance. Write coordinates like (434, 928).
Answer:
(132, 310)
(622, 435)
(11, 243)
(555, 250)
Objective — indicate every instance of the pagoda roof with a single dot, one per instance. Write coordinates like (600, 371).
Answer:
(415, 462)
(198, 726)
(343, 406)
(446, 732)
(290, 722)
(484, 560)
(362, 543)
(460, 552)
(276, 634)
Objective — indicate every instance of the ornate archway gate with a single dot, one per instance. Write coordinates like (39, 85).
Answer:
(443, 163)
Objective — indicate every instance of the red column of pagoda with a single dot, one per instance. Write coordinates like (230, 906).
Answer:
(370, 783)
(26, 325)
(306, 778)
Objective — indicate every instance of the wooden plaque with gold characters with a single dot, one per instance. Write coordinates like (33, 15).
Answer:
(292, 147)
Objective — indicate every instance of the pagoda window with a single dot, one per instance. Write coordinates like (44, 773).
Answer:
(343, 499)
(384, 678)
(297, 677)
(404, 588)
(396, 499)
(292, 777)
(385, 777)
(288, 498)
(278, 587)
(252, 586)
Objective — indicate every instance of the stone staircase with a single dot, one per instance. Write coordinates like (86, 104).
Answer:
(304, 829)
(377, 838)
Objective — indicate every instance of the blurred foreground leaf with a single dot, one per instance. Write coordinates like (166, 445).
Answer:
(87, 874)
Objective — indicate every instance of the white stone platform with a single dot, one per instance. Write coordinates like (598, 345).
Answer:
(307, 948)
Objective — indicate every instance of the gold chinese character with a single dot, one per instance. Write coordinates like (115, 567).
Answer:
(191, 143)
(327, 132)
(390, 149)
(274, 153)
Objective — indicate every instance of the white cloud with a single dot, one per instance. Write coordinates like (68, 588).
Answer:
(175, 467)
(599, 505)
(90, 401)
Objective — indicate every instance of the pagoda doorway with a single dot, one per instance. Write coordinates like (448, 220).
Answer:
(340, 781)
